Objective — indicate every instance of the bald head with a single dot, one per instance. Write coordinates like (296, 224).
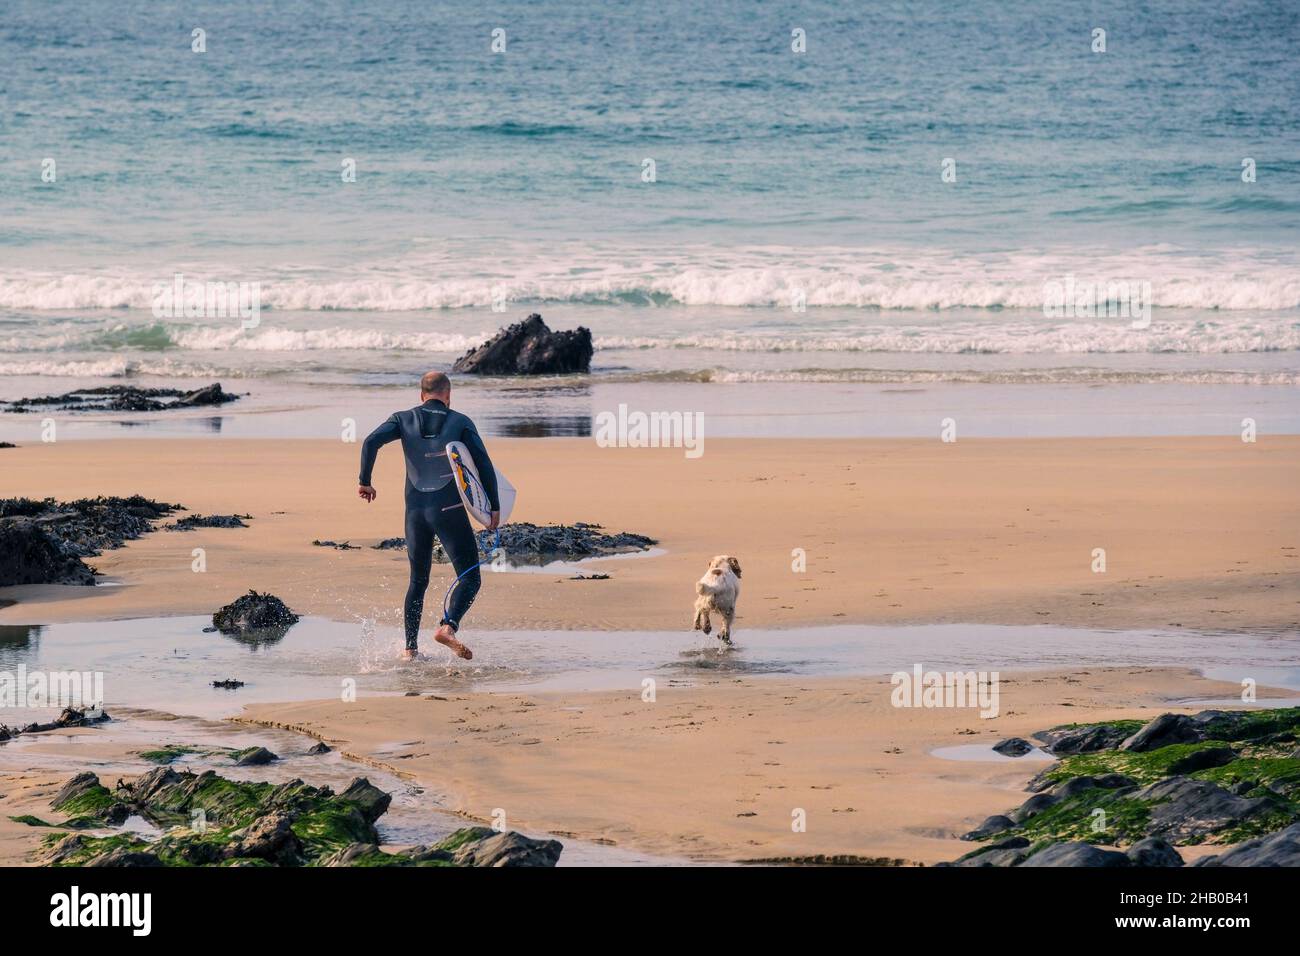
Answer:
(435, 385)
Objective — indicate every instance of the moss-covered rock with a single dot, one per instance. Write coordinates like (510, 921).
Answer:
(1232, 776)
(212, 821)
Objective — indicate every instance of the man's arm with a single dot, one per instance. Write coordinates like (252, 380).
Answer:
(381, 436)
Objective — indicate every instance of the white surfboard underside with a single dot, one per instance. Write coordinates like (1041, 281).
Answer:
(466, 475)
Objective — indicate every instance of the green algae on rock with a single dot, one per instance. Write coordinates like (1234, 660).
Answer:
(1219, 777)
(212, 821)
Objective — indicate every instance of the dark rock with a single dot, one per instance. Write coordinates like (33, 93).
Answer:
(158, 781)
(1013, 747)
(353, 854)
(1190, 809)
(1075, 785)
(228, 684)
(369, 799)
(1082, 740)
(1203, 760)
(254, 757)
(83, 783)
(535, 545)
(990, 826)
(30, 555)
(318, 749)
(190, 522)
(6, 444)
(267, 838)
(425, 854)
(1006, 852)
(1276, 849)
(598, 576)
(1076, 854)
(68, 717)
(337, 545)
(208, 395)
(125, 856)
(251, 823)
(489, 848)
(1164, 730)
(530, 348)
(84, 796)
(1034, 805)
(44, 542)
(390, 544)
(253, 612)
(65, 850)
(1114, 781)
(72, 717)
(1153, 851)
(124, 398)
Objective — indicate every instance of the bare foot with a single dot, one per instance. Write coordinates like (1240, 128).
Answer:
(410, 654)
(447, 637)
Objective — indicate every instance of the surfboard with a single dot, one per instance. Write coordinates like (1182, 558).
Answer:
(470, 486)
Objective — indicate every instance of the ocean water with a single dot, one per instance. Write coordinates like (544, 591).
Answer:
(798, 246)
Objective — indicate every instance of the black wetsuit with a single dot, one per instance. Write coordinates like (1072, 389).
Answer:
(433, 505)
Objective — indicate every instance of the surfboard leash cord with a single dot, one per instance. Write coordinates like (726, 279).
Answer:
(446, 601)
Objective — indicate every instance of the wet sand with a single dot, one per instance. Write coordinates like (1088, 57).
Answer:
(1198, 532)
(716, 771)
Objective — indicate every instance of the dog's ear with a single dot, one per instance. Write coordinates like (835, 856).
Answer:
(735, 565)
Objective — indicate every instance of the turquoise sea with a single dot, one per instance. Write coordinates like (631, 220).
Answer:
(799, 245)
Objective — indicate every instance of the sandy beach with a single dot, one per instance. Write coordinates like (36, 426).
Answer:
(714, 772)
(1199, 533)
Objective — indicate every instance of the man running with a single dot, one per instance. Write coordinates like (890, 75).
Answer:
(433, 504)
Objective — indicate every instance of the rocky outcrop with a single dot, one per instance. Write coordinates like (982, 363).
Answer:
(1184, 809)
(1164, 730)
(212, 821)
(190, 522)
(1153, 852)
(1013, 747)
(45, 541)
(1225, 777)
(1082, 740)
(254, 757)
(123, 398)
(1075, 854)
(68, 717)
(530, 544)
(1006, 852)
(253, 614)
(1277, 849)
(29, 554)
(530, 348)
(369, 799)
(991, 826)
(480, 846)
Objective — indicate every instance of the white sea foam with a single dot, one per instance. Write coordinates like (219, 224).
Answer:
(996, 334)
(1012, 337)
(764, 277)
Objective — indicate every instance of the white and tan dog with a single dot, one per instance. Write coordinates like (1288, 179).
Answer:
(718, 591)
